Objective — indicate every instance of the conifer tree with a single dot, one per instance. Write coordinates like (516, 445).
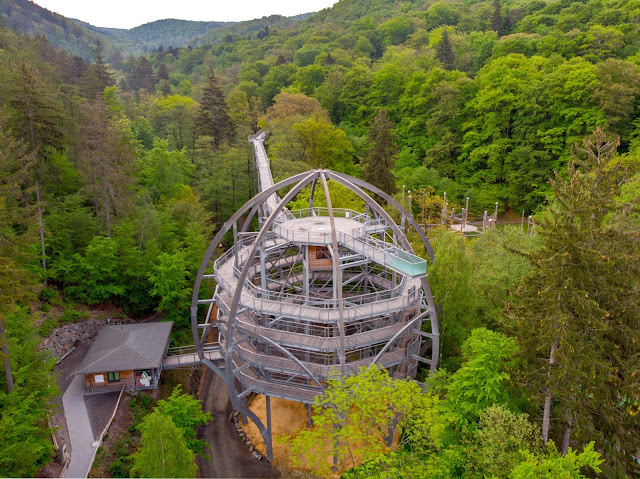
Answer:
(143, 75)
(107, 155)
(444, 51)
(162, 73)
(496, 17)
(38, 120)
(213, 119)
(379, 160)
(576, 317)
(16, 232)
(98, 77)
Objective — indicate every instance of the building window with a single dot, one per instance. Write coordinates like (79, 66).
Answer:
(113, 377)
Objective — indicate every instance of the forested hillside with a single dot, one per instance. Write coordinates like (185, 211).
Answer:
(113, 180)
(31, 19)
(168, 33)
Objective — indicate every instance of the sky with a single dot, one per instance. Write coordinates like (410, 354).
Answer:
(131, 13)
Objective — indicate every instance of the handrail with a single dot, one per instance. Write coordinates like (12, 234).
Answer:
(324, 315)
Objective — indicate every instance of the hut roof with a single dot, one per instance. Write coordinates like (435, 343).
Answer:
(126, 347)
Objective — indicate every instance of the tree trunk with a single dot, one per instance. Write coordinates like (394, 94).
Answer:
(567, 434)
(213, 129)
(41, 225)
(546, 415)
(7, 363)
(95, 191)
(106, 195)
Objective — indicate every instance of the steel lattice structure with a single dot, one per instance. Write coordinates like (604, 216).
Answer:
(312, 293)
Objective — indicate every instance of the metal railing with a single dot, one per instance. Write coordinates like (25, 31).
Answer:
(351, 311)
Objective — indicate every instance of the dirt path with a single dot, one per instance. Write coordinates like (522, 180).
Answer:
(229, 455)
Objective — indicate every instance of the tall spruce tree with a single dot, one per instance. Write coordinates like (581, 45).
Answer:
(143, 75)
(97, 77)
(213, 119)
(576, 317)
(444, 51)
(496, 17)
(106, 158)
(38, 120)
(379, 160)
(16, 232)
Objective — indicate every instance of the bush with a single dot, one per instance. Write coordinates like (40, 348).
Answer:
(47, 326)
(72, 316)
(47, 295)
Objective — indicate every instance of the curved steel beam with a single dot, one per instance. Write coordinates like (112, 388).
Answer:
(435, 329)
(258, 199)
(373, 204)
(395, 336)
(233, 309)
(396, 205)
(247, 222)
(337, 271)
(291, 355)
(313, 192)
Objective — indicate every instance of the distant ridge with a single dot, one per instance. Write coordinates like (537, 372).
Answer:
(168, 33)
(78, 37)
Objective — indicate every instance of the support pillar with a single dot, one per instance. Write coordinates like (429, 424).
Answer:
(309, 420)
(305, 267)
(235, 242)
(269, 435)
(263, 267)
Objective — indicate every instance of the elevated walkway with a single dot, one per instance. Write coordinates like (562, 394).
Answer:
(187, 357)
(264, 169)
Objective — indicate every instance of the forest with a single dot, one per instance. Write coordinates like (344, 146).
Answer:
(114, 179)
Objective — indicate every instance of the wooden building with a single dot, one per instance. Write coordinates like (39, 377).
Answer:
(129, 355)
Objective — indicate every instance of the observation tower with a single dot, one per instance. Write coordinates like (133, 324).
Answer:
(311, 293)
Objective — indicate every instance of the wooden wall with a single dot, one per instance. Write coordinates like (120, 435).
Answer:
(126, 377)
(316, 263)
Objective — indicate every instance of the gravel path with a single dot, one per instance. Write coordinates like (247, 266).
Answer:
(229, 455)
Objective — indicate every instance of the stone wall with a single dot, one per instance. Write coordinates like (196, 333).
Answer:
(65, 337)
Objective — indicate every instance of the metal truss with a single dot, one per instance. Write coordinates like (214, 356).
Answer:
(287, 320)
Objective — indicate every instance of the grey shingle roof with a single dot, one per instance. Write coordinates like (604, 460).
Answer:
(124, 347)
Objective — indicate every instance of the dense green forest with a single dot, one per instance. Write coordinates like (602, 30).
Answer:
(113, 181)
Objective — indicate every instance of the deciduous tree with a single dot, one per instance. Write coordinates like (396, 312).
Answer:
(163, 450)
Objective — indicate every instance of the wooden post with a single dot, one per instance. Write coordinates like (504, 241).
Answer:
(465, 216)
(443, 215)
